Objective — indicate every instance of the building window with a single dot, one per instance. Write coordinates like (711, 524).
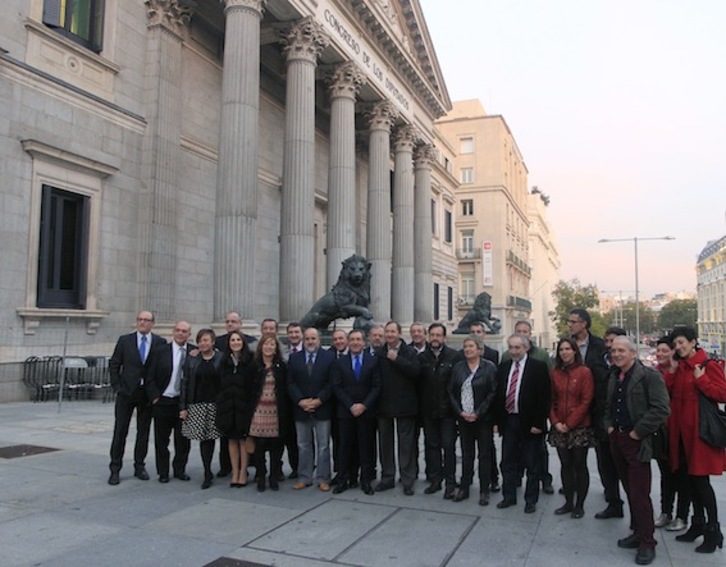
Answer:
(467, 243)
(62, 257)
(467, 207)
(447, 164)
(79, 20)
(466, 146)
(467, 175)
(447, 227)
(434, 214)
(450, 303)
(436, 302)
(466, 293)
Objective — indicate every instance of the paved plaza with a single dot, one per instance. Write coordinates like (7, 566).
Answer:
(56, 509)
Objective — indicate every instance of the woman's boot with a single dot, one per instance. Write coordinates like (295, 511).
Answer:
(697, 529)
(712, 538)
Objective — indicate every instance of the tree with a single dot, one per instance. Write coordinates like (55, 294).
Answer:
(648, 323)
(678, 312)
(571, 294)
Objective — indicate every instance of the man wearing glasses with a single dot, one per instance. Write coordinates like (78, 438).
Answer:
(593, 353)
(128, 367)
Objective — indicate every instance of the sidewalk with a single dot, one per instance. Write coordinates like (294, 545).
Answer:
(56, 509)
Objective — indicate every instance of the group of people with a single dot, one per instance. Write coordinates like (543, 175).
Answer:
(372, 395)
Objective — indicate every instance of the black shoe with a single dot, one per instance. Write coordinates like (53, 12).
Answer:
(207, 481)
(408, 491)
(577, 513)
(561, 491)
(280, 477)
(433, 487)
(461, 494)
(113, 478)
(261, 484)
(353, 483)
(182, 476)
(449, 493)
(645, 555)
(340, 488)
(506, 504)
(530, 508)
(223, 472)
(695, 531)
(611, 511)
(484, 499)
(141, 473)
(495, 486)
(274, 484)
(547, 488)
(292, 475)
(566, 509)
(712, 538)
(630, 542)
(164, 478)
(381, 486)
(366, 488)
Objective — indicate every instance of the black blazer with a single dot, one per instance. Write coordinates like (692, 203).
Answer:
(399, 380)
(125, 366)
(189, 391)
(318, 385)
(484, 386)
(161, 365)
(535, 393)
(349, 391)
(435, 378)
(595, 361)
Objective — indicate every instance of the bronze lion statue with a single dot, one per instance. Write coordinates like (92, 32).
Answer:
(348, 298)
(480, 313)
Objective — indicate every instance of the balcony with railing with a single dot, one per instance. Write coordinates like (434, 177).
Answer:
(468, 254)
(519, 302)
(517, 262)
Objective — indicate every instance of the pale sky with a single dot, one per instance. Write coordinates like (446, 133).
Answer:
(619, 109)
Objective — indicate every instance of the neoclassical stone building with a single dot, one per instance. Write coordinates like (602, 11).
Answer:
(195, 157)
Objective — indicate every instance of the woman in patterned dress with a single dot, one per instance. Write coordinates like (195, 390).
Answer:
(198, 402)
(271, 416)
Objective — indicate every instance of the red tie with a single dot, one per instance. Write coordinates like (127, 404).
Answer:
(512, 392)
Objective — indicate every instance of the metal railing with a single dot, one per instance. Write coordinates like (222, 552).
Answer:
(83, 378)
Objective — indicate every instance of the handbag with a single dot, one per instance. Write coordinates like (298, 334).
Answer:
(711, 422)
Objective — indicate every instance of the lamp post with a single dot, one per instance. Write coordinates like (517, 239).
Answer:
(635, 240)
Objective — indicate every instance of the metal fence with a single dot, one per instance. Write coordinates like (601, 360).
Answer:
(82, 378)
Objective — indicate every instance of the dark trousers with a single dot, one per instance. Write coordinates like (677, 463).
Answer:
(520, 447)
(494, 465)
(225, 464)
(636, 478)
(357, 444)
(608, 472)
(166, 421)
(405, 430)
(477, 435)
(274, 446)
(674, 483)
(125, 406)
(546, 476)
(289, 442)
(575, 475)
(440, 451)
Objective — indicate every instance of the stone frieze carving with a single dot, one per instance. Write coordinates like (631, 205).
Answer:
(425, 155)
(382, 116)
(172, 14)
(346, 80)
(404, 138)
(305, 40)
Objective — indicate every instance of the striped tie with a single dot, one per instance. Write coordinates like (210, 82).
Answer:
(512, 392)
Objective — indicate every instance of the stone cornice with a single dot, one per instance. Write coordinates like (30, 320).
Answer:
(173, 15)
(254, 6)
(405, 138)
(305, 40)
(346, 80)
(382, 116)
(424, 156)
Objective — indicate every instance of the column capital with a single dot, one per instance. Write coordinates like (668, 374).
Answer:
(254, 6)
(305, 40)
(171, 14)
(404, 139)
(346, 80)
(424, 155)
(382, 116)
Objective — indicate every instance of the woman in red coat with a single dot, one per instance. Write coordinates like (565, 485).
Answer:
(686, 449)
(573, 388)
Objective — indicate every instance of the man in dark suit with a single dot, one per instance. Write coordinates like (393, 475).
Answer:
(128, 366)
(163, 387)
(309, 386)
(357, 385)
(523, 401)
(397, 408)
(594, 355)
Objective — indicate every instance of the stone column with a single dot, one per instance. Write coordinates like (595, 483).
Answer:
(236, 214)
(403, 273)
(303, 44)
(161, 156)
(378, 231)
(422, 235)
(344, 86)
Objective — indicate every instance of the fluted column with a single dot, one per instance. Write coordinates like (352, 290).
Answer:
(161, 156)
(344, 86)
(422, 253)
(303, 44)
(236, 212)
(402, 278)
(378, 234)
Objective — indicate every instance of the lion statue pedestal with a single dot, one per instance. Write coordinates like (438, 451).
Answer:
(480, 313)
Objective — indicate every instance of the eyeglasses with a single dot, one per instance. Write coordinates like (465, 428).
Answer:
(231, 321)
(144, 320)
(574, 321)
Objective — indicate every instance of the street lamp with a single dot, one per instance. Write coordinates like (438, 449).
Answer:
(635, 240)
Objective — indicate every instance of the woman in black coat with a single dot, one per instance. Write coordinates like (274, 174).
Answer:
(234, 405)
(472, 390)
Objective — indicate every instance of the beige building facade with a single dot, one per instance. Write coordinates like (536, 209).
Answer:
(711, 272)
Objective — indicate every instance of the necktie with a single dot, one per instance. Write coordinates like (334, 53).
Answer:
(310, 364)
(357, 367)
(142, 349)
(512, 392)
(179, 370)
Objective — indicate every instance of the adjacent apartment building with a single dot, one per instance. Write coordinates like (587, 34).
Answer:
(711, 272)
